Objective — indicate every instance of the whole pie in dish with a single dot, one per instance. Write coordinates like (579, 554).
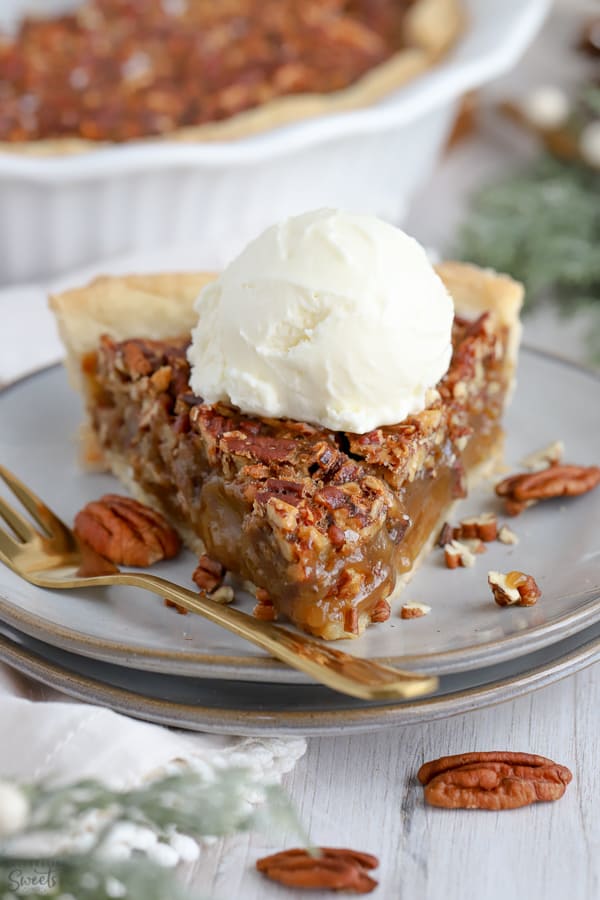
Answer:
(329, 523)
(117, 70)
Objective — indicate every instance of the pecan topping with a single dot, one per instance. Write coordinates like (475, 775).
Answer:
(122, 69)
(134, 360)
(333, 869)
(289, 491)
(125, 531)
(515, 588)
(492, 780)
(208, 574)
(258, 447)
(526, 488)
(336, 536)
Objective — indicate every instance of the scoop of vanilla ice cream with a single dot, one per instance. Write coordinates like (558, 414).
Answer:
(329, 317)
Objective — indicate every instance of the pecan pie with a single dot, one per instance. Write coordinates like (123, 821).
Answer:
(116, 70)
(329, 524)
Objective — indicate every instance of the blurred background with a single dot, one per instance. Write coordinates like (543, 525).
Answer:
(484, 142)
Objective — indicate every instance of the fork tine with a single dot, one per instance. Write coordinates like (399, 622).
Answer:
(8, 546)
(34, 506)
(21, 527)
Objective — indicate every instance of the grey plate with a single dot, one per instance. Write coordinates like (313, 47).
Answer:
(559, 544)
(250, 708)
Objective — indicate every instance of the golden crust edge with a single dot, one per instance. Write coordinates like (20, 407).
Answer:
(433, 25)
(160, 306)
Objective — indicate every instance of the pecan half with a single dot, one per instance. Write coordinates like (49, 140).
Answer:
(525, 488)
(125, 531)
(492, 780)
(334, 869)
(514, 588)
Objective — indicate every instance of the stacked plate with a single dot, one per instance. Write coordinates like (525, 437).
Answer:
(123, 648)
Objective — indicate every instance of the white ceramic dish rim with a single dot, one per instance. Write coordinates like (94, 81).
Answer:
(306, 722)
(205, 665)
(517, 23)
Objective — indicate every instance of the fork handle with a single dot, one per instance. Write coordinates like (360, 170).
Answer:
(340, 671)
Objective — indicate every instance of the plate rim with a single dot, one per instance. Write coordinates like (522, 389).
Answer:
(257, 668)
(310, 723)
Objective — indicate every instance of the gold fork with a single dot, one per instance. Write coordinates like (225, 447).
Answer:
(54, 558)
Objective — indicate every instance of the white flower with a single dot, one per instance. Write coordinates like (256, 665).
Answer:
(114, 887)
(546, 107)
(163, 855)
(186, 847)
(14, 809)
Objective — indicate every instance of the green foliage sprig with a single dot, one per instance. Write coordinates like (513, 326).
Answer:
(186, 805)
(541, 225)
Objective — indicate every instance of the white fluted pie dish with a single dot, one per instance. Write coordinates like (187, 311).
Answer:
(60, 212)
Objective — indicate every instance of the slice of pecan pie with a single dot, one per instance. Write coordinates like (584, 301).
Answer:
(330, 524)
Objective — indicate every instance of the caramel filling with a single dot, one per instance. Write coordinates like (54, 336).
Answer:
(326, 523)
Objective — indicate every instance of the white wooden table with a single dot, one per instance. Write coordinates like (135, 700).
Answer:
(361, 791)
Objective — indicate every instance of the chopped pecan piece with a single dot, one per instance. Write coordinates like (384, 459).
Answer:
(483, 527)
(125, 531)
(176, 606)
(507, 536)
(381, 612)
(134, 361)
(223, 595)
(514, 588)
(492, 780)
(446, 535)
(351, 620)
(330, 868)
(458, 554)
(290, 492)
(547, 456)
(264, 612)
(208, 574)
(526, 488)
(161, 379)
(336, 536)
(414, 610)
(259, 448)
(264, 608)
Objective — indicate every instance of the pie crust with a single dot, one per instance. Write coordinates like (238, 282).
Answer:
(398, 477)
(431, 28)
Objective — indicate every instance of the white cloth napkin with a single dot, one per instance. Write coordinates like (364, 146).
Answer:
(46, 736)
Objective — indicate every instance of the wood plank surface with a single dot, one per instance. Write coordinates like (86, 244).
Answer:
(361, 792)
